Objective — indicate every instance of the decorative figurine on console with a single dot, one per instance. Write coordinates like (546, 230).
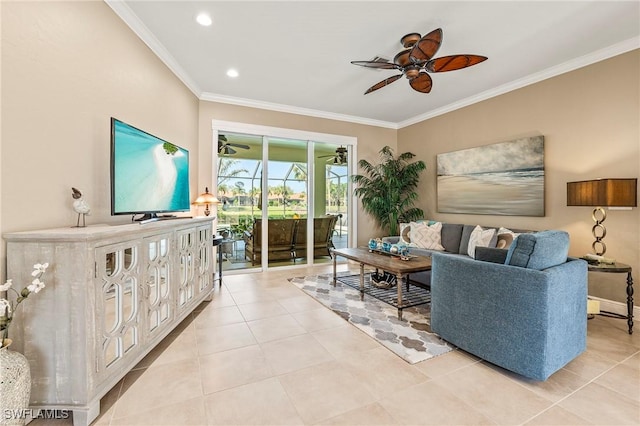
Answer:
(375, 244)
(80, 206)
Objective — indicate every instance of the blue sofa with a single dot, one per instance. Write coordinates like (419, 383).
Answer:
(455, 239)
(528, 315)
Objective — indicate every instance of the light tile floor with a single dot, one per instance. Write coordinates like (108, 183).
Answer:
(263, 352)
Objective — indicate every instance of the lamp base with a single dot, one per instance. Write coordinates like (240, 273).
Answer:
(599, 231)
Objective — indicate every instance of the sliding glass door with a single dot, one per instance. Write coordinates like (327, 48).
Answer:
(239, 177)
(285, 201)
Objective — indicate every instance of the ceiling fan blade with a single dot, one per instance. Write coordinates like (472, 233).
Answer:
(383, 83)
(422, 83)
(327, 156)
(403, 58)
(222, 138)
(428, 45)
(453, 62)
(238, 145)
(376, 64)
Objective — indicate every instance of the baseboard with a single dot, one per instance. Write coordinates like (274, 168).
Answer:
(616, 307)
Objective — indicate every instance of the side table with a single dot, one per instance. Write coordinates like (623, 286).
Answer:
(618, 268)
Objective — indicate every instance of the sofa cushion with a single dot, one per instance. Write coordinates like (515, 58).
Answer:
(425, 236)
(491, 254)
(450, 236)
(479, 238)
(464, 239)
(539, 250)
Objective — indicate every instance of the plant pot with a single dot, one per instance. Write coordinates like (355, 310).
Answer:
(15, 386)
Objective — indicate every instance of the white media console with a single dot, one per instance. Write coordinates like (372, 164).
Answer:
(112, 293)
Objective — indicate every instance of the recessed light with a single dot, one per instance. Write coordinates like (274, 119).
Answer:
(232, 73)
(204, 19)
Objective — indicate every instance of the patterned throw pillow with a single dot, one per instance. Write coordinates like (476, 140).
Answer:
(505, 238)
(479, 238)
(405, 233)
(425, 236)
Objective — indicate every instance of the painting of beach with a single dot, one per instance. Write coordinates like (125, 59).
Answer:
(501, 179)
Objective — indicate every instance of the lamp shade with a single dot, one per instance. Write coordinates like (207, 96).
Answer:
(206, 198)
(603, 193)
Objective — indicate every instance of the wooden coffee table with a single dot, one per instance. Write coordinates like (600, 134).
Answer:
(393, 264)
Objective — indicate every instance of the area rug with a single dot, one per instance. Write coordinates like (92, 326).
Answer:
(411, 339)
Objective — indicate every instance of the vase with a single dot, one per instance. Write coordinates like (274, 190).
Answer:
(15, 386)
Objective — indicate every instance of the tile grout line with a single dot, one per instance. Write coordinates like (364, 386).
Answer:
(556, 403)
(273, 375)
(197, 351)
(111, 415)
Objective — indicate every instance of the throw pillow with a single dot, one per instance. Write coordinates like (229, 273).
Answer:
(505, 238)
(479, 238)
(425, 236)
(405, 233)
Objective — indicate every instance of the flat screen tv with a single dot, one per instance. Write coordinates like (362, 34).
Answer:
(148, 175)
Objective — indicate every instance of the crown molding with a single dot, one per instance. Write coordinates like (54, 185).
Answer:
(252, 103)
(212, 97)
(582, 61)
(135, 24)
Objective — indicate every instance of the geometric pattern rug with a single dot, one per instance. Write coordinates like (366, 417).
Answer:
(411, 339)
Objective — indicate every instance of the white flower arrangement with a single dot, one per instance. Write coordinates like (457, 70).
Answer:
(8, 309)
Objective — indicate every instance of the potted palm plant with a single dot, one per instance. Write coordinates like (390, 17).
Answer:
(387, 189)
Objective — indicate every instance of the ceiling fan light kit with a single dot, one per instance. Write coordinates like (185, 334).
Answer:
(410, 39)
(415, 62)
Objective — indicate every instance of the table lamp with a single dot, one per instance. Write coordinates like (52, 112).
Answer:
(600, 193)
(205, 199)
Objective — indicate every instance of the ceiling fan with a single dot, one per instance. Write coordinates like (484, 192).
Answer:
(340, 157)
(224, 147)
(414, 62)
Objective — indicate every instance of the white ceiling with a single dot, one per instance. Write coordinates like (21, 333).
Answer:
(295, 56)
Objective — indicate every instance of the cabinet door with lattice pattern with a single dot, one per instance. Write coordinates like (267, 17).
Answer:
(205, 261)
(187, 246)
(159, 284)
(117, 305)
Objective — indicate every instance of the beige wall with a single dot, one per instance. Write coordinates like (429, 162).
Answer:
(67, 67)
(590, 119)
(370, 139)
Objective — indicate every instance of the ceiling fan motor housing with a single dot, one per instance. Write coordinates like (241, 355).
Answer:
(412, 71)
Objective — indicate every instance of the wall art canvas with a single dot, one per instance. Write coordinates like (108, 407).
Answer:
(501, 179)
